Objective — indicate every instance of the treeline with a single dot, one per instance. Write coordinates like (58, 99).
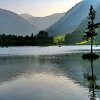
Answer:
(41, 39)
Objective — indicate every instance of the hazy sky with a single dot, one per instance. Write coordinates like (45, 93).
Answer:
(38, 7)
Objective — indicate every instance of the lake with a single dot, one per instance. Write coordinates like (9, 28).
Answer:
(46, 73)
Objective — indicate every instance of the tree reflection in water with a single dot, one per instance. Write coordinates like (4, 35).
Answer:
(92, 84)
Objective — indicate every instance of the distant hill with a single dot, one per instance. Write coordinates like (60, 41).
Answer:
(42, 22)
(12, 23)
(73, 18)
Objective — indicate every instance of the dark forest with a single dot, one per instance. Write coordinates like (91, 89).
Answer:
(41, 39)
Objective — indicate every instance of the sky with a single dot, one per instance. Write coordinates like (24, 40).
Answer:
(38, 8)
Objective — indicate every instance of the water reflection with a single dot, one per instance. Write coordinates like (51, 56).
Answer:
(92, 83)
(15, 66)
(55, 77)
(41, 78)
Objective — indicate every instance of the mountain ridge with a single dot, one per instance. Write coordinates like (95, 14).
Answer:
(72, 19)
(12, 23)
(42, 22)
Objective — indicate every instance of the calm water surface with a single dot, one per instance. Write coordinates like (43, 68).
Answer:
(45, 73)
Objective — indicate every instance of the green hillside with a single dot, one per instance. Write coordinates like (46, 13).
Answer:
(74, 37)
(59, 39)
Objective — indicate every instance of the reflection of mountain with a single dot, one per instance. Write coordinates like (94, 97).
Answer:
(71, 66)
(13, 67)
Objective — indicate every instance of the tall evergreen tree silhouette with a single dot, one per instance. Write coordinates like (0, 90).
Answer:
(91, 33)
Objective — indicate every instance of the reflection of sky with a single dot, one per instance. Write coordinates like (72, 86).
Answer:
(38, 7)
(44, 77)
(42, 87)
(39, 78)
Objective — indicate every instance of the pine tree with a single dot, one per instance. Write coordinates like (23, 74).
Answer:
(91, 33)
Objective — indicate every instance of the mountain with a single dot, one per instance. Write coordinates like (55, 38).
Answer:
(77, 34)
(73, 18)
(12, 23)
(42, 22)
